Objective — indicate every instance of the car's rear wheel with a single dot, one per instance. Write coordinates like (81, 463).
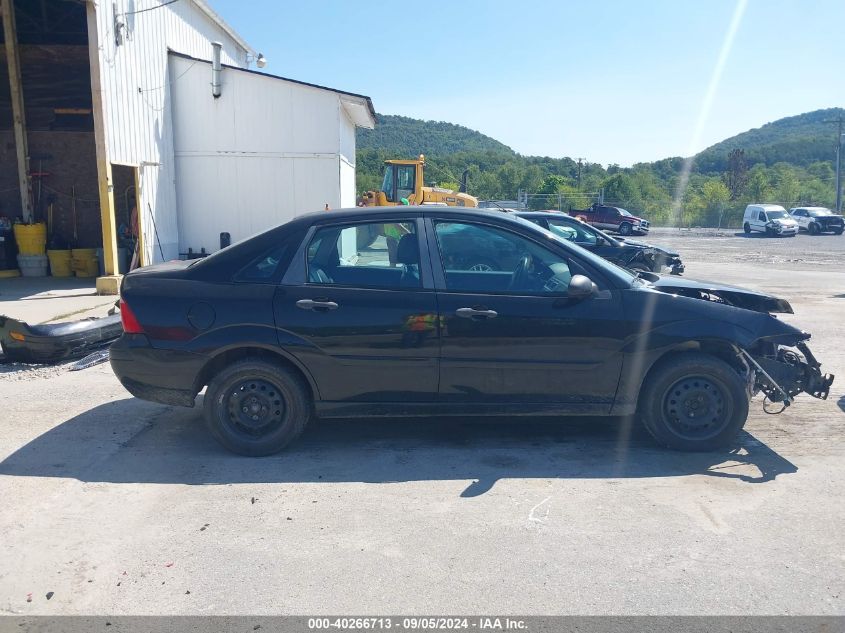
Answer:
(256, 408)
(746, 228)
(693, 402)
(813, 228)
(625, 228)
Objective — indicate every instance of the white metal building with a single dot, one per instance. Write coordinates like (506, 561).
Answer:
(194, 165)
(279, 148)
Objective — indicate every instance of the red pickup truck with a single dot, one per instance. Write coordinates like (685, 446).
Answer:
(611, 219)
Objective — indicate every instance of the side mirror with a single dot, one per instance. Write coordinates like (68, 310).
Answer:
(580, 287)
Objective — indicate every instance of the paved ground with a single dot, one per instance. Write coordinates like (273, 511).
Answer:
(121, 506)
(51, 300)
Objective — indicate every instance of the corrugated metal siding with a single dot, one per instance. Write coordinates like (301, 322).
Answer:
(265, 151)
(138, 94)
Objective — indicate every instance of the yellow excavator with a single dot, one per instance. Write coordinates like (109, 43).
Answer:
(403, 181)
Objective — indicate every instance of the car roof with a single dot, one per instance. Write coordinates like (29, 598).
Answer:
(810, 208)
(360, 212)
(767, 207)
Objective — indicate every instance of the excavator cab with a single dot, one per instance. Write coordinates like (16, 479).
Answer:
(399, 182)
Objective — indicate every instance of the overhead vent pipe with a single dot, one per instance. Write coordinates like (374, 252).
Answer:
(216, 47)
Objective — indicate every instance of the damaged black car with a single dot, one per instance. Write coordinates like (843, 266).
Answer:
(306, 320)
(632, 254)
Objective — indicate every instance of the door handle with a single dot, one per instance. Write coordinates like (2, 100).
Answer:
(472, 313)
(319, 306)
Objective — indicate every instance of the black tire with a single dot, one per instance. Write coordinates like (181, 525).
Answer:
(769, 232)
(698, 387)
(838, 231)
(625, 228)
(746, 228)
(813, 228)
(256, 408)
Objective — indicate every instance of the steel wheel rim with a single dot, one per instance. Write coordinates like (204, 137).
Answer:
(697, 408)
(254, 407)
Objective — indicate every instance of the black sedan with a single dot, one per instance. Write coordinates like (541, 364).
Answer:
(633, 255)
(306, 319)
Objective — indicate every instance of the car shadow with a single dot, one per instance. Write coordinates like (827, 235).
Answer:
(130, 441)
(756, 235)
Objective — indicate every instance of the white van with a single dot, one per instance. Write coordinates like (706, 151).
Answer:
(771, 219)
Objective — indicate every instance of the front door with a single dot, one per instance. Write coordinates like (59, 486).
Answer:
(363, 323)
(509, 332)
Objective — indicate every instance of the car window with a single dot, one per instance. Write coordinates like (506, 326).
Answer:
(572, 232)
(762, 216)
(265, 267)
(484, 259)
(366, 255)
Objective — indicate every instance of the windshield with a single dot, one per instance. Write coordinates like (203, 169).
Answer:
(817, 213)
(776, 215)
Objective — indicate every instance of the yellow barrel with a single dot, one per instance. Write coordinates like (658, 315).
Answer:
(31, 238)
(60, 263)
(84, 262)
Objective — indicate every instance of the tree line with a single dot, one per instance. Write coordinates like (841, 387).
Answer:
(667, 192)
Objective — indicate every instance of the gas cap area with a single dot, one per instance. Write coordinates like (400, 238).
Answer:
(201, 316)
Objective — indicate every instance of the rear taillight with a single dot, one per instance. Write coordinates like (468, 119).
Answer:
(130, 322)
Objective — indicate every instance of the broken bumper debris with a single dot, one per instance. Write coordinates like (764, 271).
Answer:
(51, 343)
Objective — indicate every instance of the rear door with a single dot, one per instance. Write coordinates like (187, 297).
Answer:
(509, 333)
(358, 309)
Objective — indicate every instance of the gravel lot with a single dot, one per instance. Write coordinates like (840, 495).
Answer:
(118, 506)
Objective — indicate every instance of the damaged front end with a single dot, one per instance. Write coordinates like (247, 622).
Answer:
(781, 372)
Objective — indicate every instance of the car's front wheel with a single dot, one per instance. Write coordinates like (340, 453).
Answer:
(813, 228)
(256, 408)
(693, 402)
(625, 228)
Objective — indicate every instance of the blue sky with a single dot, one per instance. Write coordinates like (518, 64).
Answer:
(612, 81)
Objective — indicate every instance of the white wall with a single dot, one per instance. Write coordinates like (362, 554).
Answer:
(137, 98)
(263, 152)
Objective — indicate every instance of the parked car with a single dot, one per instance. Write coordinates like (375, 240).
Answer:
(295, 323)
(614, 219)
(817, 220)
(633, 255)
(771, 219)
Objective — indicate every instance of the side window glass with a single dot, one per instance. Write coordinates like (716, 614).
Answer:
(263, 268)
(485, 259)
(762, 216)
(405, 181)
(367, 255)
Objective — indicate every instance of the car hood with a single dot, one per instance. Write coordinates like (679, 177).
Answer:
(721, 293)
(639, 244)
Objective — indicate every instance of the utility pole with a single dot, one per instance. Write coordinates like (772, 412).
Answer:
(839, 167)
(838, 162)
(579, 172)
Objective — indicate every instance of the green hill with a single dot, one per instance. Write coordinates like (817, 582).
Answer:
(799, 140)
(404, 137)
(789, 161)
